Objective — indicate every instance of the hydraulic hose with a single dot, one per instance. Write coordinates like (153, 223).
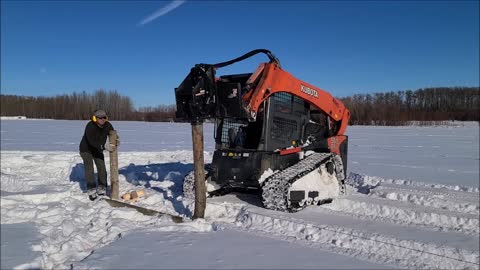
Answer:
(270, 55)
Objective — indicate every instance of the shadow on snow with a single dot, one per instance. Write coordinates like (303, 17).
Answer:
(166, 178)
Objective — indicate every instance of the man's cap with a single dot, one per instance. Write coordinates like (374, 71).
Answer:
(100, 113)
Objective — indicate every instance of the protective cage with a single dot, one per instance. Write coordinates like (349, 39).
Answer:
(227, 130)
(287, 115)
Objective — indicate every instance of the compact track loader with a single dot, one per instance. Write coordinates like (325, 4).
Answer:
(274, 134)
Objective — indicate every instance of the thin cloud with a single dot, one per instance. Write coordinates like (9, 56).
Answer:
(164, 10)
(43, 70)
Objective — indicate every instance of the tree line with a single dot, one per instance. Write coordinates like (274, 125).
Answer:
(387, 108)
(80, 106)
(427, 104)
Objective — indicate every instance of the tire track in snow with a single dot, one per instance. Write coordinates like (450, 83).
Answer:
(398, 212)
(373, 247)
(442, 207)
(468, 203)
(367, 182)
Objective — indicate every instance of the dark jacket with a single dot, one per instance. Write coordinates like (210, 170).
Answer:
(94, 138)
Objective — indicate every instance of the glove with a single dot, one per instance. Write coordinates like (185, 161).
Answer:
(109, 147)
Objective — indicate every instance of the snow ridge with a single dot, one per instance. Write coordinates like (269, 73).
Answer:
(437, 207)
(462, 203)
(381, 209)
(366, 181)
(367, 246)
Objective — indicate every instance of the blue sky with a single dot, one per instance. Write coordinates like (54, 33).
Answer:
(144, 49)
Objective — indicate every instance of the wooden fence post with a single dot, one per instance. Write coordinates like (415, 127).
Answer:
(112, 139)
(199, 169)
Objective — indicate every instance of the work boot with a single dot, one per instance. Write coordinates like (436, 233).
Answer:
(92, 194)
(101, 191)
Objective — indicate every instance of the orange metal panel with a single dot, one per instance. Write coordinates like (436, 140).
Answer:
(274, 80)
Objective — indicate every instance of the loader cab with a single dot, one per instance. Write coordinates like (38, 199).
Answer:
(244, 150)
(279, 124)
(287, 116)
(238, 134)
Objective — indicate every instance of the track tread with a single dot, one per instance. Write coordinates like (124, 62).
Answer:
(275, 188)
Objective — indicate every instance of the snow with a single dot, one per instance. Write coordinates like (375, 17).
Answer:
(412, 202)
(321, 181)
(162, 251)
(442, 155)
(63, 135)
(13, 117)
(15, 240)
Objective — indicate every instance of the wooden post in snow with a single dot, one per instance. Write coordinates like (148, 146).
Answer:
(112, 139)
(199, 169)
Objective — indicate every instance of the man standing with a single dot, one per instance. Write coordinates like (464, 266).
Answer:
(94, 142)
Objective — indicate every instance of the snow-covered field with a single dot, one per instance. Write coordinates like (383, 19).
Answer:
(412, 202)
